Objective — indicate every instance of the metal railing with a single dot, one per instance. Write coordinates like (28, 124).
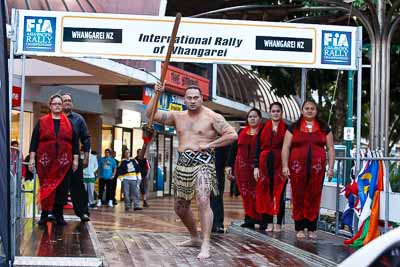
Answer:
(340, 175)
(18, 215)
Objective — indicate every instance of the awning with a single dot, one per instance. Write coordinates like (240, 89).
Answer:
(81, 71)
(240, 85)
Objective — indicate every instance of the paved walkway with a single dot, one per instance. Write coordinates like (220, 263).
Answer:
(149, 237)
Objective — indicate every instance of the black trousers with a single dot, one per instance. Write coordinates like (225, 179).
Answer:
(217, 202)
(113, 189)
(108, 183)
(303, 224)
(281, 214)
(78, 192)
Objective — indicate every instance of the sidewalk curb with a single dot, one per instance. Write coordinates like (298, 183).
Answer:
(307, 257)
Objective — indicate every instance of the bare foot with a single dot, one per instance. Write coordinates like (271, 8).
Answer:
(204, 252)
(312, 235)
(300, 234)
(270, 228)
(278, 228)
(194, 242)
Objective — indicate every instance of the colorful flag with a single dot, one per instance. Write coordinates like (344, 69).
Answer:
(370, 183)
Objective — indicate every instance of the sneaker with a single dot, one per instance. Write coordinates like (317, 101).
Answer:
(137, 208)
(145, 204)
(110, 204)
(99, 203)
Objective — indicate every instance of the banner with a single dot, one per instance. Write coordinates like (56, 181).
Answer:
(68, 34)
(5, 218)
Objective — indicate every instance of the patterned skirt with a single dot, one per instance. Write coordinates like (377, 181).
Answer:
(195, 167)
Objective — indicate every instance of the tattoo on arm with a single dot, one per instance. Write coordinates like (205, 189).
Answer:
(220, 124)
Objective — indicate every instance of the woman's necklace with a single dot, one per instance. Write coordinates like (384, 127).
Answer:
(309, 126)
(252, 131)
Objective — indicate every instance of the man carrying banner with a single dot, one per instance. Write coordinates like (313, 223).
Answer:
(197, 129)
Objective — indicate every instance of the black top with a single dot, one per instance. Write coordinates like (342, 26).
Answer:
(142, 166)
(232, 151)
(80, 128)
(36, 136)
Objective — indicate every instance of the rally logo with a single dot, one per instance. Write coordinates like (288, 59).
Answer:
(336, 48)
(39, 34)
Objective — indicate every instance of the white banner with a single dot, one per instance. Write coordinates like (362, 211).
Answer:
(68, 34)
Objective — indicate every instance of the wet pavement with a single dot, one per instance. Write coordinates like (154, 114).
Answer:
(149, 237)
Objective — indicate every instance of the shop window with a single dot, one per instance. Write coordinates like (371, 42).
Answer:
(28, 128)
(107, 139)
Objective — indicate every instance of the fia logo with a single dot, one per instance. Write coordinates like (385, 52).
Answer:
(336, 39)
(336, 48)
(39, 34)
(39, 25)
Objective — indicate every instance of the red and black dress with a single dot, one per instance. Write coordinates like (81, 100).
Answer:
(307, 163)
(54, 142)
(241, 157)
(272, 183)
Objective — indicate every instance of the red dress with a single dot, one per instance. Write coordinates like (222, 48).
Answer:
(244, 168)
(271, 184)
(307, 163)
(54, 158)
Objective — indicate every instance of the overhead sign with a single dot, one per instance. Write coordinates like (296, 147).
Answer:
(70, 34)
(167, 100)
(177, 80)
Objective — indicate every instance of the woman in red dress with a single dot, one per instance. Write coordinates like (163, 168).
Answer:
(304, 161)
(54, 148)
(241, 157)
(268, 171)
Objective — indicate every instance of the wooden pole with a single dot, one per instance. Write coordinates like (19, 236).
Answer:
(165, 68)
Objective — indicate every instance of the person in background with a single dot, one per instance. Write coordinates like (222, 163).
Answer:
(114, 181)
(271, 183)
(54, 151)
(145, 172)
(129, 171)
(89, 177)
(241, 157)
(14, 156)
(217, 201)
(107, 170)
(304, 161)
(77, 189)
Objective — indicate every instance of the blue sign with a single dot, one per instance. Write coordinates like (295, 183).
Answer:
(39, 34)
(336, 48)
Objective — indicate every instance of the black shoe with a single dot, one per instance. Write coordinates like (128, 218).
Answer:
(137, 208)
(115, 203)
(248, 225)
(43, 219)
(263, 226)
(218, 230)
(51, 217)
(145, 204)
(60, 220)
(85, 218)
(126, 208)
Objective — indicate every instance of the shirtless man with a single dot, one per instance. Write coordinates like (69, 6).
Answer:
(197, 130)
